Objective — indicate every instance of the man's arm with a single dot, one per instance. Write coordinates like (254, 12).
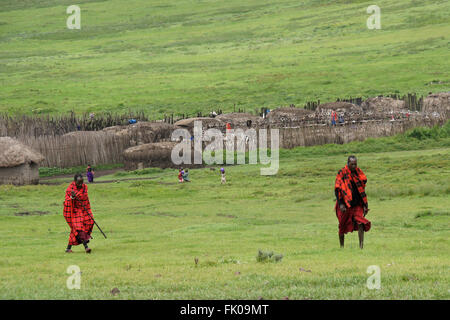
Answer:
(341, 203)
(336, 192)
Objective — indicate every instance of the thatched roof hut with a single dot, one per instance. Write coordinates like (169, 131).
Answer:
(438, 103)
(239, 119)
(143, 132)
(382, 105)
(349, 111)
(206, 123)
(157, 154)
(19, 164)
(289, 114)
(339, 106)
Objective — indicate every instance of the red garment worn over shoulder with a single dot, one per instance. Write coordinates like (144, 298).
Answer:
(353, 216)
(78, 214)
(344, 186)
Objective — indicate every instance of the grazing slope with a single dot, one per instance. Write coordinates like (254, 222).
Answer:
(188, 56)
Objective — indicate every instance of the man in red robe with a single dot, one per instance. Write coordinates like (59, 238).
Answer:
(351, 201)
(78, 214)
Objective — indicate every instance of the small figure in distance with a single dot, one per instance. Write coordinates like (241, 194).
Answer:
(180, 175)
(186, 176)
(222, 172)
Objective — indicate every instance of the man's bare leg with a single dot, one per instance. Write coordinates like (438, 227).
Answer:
(341, 240)
(361, 235)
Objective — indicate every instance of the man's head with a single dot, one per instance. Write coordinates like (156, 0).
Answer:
(78, 180)
(352, 163)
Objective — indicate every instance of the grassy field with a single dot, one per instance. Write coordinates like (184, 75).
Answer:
(156, 229)
(188, 56)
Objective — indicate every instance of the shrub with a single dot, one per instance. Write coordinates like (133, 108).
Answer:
(268, 256)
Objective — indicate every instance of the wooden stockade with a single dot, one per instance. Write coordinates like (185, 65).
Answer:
(81, 149)
(312, 105)
(412, 102)
(36, 126)
(23, 125)
(70, 140)
(322, 134)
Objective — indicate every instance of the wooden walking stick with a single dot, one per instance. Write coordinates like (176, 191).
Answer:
(92, 219)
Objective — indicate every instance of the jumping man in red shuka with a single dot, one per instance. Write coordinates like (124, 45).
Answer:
(351, 201)
(79, 221)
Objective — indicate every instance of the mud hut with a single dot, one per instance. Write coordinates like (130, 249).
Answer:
(19, 165)
(240, 119)
(143, 132)
(347, 110)
(207, 123)
(158, 154)
(339, 106)
(382, 105)
(438, 103)
(289, 116)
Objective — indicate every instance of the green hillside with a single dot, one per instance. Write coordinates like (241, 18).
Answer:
(187, 56)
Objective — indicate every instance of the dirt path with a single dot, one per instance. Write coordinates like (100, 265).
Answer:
(49, 180)
(98, 173)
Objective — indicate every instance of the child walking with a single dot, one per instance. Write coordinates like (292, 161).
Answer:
(180, 175)
(224, 180)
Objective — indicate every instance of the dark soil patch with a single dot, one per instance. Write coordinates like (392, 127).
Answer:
(97, 174)
(115, 291)
(226, 215)
(429, 213)
(164, 214)
(156, 214)
(32, 213)
(48, 182)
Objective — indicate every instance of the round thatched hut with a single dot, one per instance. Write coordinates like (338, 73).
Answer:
(158, 154)
(289, 115)
(19, 165)
(348, 111)
(382, 105)
(438, 103)
(206, 123)
(339, 106)
(240, 119)
(143, 132)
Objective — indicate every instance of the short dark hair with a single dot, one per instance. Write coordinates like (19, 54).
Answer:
(351, 158)
(77, 175)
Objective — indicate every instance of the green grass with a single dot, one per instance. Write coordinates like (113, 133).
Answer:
(184, 56)
(54, 171)
(157, 228)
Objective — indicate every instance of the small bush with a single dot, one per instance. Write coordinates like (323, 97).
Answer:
(423, 133)
(268, 256)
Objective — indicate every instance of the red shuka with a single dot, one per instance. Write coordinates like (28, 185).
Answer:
(349, 220)
(78, 219)
(343, 184)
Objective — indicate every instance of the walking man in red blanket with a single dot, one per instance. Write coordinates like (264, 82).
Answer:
(75, 206)
(351, 201)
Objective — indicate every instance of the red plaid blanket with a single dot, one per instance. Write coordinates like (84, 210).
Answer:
(76, 216)
(343, 184)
